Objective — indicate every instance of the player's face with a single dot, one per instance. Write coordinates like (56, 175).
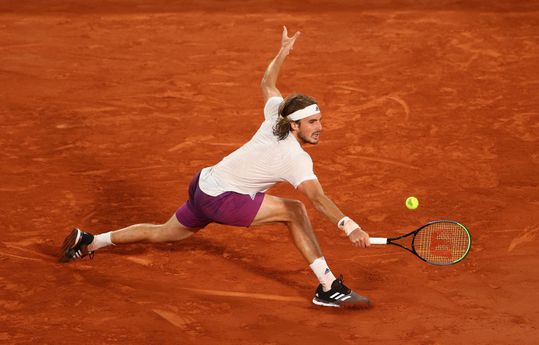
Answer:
(309, 129)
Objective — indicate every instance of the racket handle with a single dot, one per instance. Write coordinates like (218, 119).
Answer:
(378, 240)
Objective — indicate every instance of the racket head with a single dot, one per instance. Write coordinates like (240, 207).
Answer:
(442, 242)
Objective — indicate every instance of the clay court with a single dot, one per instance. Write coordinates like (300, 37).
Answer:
(108, 108)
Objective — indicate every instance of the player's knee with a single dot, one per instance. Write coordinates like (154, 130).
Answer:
(171, 232)
(165, 232)
(298, 211)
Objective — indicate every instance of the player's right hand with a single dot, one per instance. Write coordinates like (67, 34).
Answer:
(287, 43)
(359, 238)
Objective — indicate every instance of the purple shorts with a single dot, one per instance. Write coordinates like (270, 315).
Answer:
(229, 208)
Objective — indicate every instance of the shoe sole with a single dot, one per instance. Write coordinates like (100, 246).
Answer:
(325, 304)
(70, 242)
(358, 304)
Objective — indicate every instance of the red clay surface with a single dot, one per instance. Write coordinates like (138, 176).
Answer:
(108, 109)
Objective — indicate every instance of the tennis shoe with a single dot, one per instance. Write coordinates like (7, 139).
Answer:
(340, 296)
(76, 245)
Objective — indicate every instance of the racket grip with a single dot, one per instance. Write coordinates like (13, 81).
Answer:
(378, 240)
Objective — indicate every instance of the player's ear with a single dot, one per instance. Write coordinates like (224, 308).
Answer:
(294, 125)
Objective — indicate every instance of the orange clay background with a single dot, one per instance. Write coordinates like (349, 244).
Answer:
(109, 107)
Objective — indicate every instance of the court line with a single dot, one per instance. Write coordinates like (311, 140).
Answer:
(246, 295)
(9, 245)
(20, 257)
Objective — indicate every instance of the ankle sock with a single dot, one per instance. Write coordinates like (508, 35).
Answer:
(323, 273)
(100, 241)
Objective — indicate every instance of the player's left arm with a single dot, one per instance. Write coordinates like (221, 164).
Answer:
(269, 81)
(314, 191)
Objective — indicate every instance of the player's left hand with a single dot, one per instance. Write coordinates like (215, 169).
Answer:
(359, 238)
(287, 43)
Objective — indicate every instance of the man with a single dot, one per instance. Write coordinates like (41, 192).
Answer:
(233, 191)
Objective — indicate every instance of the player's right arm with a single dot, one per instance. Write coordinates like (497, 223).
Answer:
(323, 204)
(269, 81)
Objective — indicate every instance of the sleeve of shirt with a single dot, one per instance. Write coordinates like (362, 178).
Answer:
(271, 109)
(301, 171)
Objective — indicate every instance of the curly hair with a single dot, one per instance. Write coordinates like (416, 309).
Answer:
(289, 105)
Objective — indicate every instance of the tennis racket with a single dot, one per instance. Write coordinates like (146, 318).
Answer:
(440, 242)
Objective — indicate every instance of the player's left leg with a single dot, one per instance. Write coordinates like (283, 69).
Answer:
(170, 231)
(79, 244)
(186, 221)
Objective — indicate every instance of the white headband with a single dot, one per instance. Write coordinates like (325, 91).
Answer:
(305, 112)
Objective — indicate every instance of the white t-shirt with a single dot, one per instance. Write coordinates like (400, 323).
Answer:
(261, 163)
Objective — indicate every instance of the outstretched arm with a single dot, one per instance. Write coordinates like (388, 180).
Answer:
(269, 81)
(313, 190)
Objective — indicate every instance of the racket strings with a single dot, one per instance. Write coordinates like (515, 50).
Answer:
(442, 242)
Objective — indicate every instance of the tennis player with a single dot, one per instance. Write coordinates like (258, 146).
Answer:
(233, 192)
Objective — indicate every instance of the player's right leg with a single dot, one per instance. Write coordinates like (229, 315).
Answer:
(294, 214)
(331, 292)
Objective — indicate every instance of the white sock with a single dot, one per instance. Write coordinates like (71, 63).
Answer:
(323, 273)
(100, 241)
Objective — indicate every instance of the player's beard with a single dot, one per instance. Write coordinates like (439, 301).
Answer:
(310, 139)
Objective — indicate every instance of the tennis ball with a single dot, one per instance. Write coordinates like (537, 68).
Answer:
(412, 203)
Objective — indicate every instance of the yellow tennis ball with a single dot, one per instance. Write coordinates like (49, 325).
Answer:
(412, 203)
